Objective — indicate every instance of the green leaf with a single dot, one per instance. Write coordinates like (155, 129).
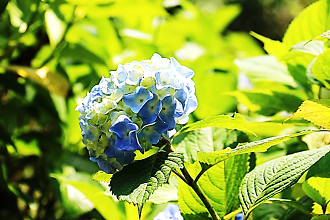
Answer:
(294, 212)
(269, 211)
(321, 69)
(272, 47)
(81, 184)
(220, 185)
(55, 27)
(206, 140)
(275, 176)
(167, 193)
(102, 176)
(137, 181)
(317, 188)
(209, 93)
(311, 22)
(266, 102)
(321, 217)
(52, 81)
(213, 158)
(222, 121)
(314, 48)
(71, 50)
(322, 166)
(265, 67)
(314, 110)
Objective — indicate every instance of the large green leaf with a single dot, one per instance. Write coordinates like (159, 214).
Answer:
(210, 159)
(311, 22)
(206, 140)
(275, 176)
(220, 186)
(79, 190)
(222, 121)
(137, 181)
(265, 67)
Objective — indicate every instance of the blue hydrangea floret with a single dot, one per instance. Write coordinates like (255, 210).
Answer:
(171, 212)
(132, 108)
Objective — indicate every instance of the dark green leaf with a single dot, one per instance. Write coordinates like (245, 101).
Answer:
(137, 181)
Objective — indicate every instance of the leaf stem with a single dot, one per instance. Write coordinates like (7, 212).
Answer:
(193, 184)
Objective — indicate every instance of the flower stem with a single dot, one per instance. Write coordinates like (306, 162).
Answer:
(193, 184)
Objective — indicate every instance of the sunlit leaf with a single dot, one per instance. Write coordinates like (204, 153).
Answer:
(316, 187)
(321, 69)
(321, 217)
(102, 177)
(222, 121)
(272, 47)
(91, 190)
(317, 140)
(311, 22)
(209, 89)
(167, 193)
(55, 27)
(137, 181)
(27, 148)
(265, 67)
(213, 158)
(266, 102)
(276, 175)
(219, 184)
(316, 111)
(52, 81)
(205, 140)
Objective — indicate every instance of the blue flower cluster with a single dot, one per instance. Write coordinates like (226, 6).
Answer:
(132, 108)
(170, 212)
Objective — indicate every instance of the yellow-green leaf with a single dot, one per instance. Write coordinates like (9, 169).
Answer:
(102, 176)
(316, 187)
(273, 47)
(316, 111)
(52, 81)
(222, 121)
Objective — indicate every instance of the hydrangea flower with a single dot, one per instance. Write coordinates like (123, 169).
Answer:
(239, 216)
(171, 212)
(132, 108)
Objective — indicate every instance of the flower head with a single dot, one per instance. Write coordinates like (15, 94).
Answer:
(132, 108)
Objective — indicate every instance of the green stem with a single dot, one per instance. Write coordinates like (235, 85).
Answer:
(198, 191)
(193, 184)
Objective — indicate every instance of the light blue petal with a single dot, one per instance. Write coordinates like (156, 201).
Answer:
(96, 93)
(183, 70)
(167, 78)
(106, 85)
(191, 104)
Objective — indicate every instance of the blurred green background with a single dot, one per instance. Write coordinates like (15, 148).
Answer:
(53, 52)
